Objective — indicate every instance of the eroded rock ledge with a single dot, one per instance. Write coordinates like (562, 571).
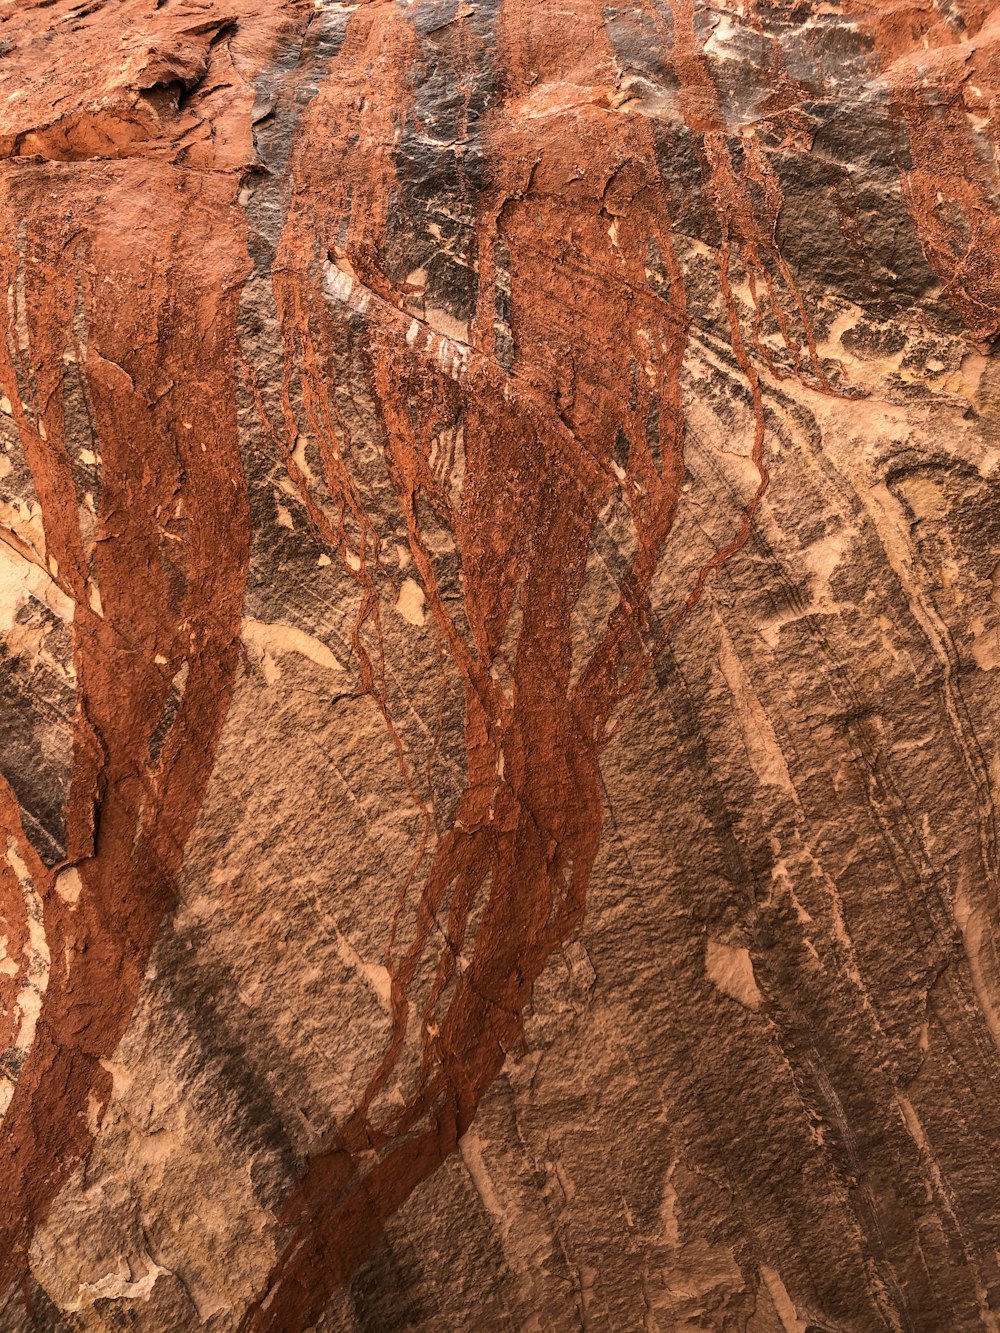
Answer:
(500, 612)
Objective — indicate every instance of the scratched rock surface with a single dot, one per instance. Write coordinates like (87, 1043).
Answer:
(499, 652)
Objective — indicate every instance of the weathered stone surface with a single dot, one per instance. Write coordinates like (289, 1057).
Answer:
(500, 615)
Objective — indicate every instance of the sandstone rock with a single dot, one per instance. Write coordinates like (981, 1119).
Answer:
(500, 614)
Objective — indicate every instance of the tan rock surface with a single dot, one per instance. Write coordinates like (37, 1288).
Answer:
(500, 613)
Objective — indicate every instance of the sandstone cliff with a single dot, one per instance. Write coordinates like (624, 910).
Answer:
(499, 648)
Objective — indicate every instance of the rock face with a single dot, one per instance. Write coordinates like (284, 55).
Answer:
(500, 590)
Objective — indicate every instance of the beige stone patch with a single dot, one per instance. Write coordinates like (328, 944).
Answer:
(264, 640)
(410, 602)
(729, 968)
(68, 885)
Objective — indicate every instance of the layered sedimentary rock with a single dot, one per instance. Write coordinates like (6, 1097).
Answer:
(500, 589)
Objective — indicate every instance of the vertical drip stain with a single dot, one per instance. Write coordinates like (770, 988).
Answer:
(943, 79)
(129, 809)
(554, 406)
(153, 580)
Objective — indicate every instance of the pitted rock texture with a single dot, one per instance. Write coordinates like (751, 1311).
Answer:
(500, 613)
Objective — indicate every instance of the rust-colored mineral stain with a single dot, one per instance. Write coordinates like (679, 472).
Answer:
(173, 508)
(943, 74)
(157, 590)
(578, 221)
